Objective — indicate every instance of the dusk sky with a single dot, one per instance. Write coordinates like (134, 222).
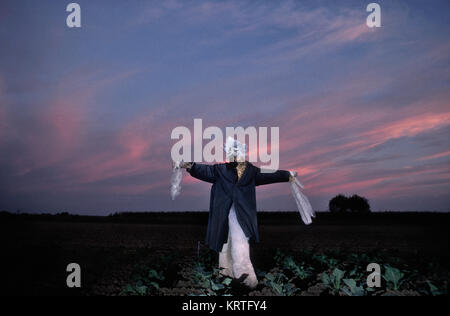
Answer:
(86, 113)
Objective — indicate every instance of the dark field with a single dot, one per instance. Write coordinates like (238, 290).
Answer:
(164, 254)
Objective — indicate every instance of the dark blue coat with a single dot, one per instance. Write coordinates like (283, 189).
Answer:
(225, 190)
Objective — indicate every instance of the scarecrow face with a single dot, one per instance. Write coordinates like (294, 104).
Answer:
(235, 151)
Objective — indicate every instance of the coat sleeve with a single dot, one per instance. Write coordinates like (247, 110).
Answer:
(203, 172)
(271, 177)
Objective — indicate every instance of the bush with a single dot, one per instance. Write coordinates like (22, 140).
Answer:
(358, 204)
(353, 204)
(338, 204)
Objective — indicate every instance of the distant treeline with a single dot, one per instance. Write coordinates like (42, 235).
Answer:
(264, 218)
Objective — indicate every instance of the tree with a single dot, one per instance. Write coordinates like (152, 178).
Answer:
(353, 204)
(338, 204)
(358, 204)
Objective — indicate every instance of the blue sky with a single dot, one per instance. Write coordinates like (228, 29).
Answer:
(86, 114)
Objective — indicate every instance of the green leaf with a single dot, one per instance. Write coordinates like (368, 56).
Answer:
(128, 290)
(153, 274)
(270, 277)
(278, 288)
(155, 285)
(337, 277)
(326, 279)
(354, 289)
(338, 274)
(227, 281)
(393, 275)
(347, 292)
(433, 289)
(214, 287)
(350, 283)
(141, 290)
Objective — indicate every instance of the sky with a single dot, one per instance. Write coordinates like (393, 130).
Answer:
(86, 113)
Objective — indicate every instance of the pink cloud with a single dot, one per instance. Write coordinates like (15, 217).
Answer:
(435, 156)
(140, 146)
(57, 130)
(348, 132)
(409, 126)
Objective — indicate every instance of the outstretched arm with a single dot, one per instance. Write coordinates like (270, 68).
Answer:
(272, 177)
(202, 172)
(303, 205)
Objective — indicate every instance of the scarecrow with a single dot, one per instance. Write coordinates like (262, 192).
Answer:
(232, 221)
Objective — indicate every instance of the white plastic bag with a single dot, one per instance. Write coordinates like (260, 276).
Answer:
(303, 205)
(175, 180)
